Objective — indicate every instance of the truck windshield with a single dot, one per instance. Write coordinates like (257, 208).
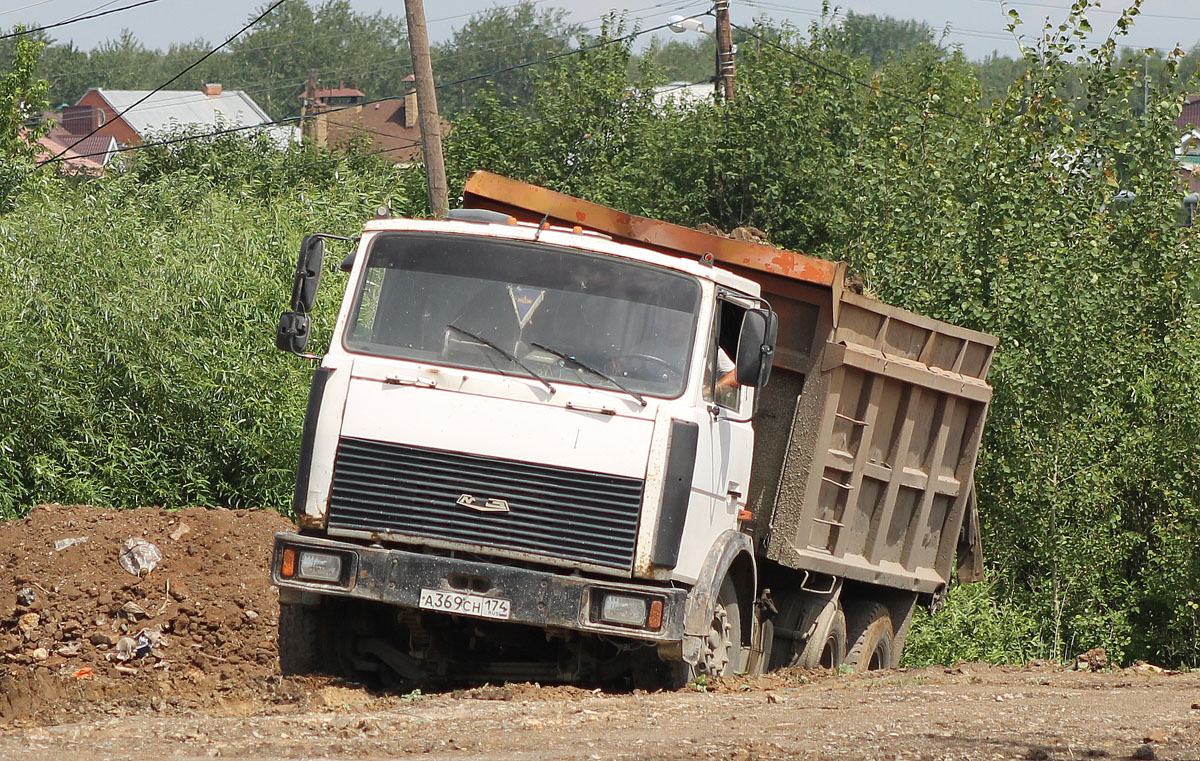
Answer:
(428, 297)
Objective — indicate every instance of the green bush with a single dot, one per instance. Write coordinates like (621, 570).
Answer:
(977, 622)
(138, 331)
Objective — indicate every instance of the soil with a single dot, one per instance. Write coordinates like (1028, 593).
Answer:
(204, 680)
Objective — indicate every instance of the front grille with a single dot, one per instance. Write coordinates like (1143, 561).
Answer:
(555, 512)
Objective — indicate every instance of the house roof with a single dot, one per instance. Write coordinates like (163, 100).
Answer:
(338, 92)
(383, 122)
(92, 153)
(166, 109)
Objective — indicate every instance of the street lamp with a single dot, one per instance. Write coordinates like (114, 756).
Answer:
(724, 37)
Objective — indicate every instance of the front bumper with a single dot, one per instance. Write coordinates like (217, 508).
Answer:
(538, 598)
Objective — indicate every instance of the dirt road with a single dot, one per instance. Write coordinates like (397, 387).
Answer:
(973, 712)
(179, 663)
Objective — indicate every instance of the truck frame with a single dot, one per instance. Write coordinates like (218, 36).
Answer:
(525, 456)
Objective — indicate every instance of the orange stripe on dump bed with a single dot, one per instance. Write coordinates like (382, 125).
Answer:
(530, 203)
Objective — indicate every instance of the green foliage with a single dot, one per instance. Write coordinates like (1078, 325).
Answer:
(495, 39)
(978, 622)
(1010, 220)
(22, 98)
(139, 313)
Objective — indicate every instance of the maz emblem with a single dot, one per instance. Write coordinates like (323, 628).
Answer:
(490, 506)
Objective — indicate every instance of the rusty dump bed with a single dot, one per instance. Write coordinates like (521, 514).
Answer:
(867, 434)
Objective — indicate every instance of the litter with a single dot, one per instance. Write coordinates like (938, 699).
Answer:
(138, 556)
(62, 544)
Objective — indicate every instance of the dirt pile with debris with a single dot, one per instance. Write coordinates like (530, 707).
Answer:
(165, 607)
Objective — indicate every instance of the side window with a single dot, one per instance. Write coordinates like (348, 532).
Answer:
(720, 383)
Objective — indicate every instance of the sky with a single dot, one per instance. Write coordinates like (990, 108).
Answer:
(978, 26)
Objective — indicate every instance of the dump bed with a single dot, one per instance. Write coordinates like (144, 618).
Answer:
(867, 434)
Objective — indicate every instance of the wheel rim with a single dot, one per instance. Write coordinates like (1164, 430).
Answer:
(718, 645)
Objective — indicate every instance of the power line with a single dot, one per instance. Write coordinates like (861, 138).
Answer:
(177, 76)
(76, 19)
(261, 125)
(415, 143)
(25, 7)
(848, 78)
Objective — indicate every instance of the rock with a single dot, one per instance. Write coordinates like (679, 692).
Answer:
(1155, 736)
(40, 654)
(102, 639)
(251, 615)
(1144, 753)
(1093, 660)
(28, 623)
(179, 591)
(133, 611)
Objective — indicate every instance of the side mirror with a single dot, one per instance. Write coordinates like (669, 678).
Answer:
(292, 333)
(756, 347)
(308, 274)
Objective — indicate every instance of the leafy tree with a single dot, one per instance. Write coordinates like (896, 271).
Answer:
(367, 50)
(881, 38)
(22, 101)
(693, 60)
(496, 39)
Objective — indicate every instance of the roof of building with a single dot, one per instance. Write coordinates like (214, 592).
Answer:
(338, 92)
(91, 153)
(167, 109)
(383, 122)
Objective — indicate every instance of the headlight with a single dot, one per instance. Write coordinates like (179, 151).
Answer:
(619, 609)
(320, 566)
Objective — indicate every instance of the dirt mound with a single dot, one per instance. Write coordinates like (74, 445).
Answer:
(77, 627)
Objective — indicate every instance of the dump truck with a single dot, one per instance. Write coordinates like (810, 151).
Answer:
(554, 441)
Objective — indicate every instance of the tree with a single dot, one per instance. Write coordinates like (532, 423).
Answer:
(274, 58)
(22, 101)
(494, 40)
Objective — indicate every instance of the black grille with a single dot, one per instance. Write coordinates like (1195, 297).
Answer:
(557, 512)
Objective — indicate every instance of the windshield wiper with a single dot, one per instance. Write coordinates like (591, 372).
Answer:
(583, 366)
(510, 357)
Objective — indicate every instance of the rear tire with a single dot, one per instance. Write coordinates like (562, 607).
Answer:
(826, 652)
(874, 643)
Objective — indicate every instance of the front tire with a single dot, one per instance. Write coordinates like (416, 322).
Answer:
(301, 647)
(722, 648)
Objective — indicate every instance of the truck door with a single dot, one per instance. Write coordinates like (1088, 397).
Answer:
(730, 436)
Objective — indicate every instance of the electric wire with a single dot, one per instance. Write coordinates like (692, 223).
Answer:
(199, 61)
(274, 122)
(75, 20)
(848, 78)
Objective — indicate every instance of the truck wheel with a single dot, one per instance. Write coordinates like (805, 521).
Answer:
(301, 650)
(872, 649)
(829, 651)
(722, 648)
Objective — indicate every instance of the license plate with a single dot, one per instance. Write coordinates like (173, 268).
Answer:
(465, 604)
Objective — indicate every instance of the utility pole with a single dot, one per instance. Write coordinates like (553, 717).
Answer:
(724, 51)
(427, 111)
(309, 111)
